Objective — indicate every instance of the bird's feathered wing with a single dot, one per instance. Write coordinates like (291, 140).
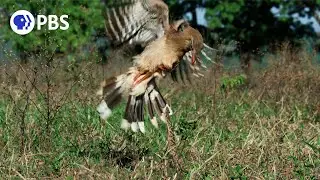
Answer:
(143, 21)
(136, 21)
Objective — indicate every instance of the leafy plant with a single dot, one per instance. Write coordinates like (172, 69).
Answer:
(229, 83)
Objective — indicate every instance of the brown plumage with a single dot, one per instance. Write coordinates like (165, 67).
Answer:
(163, 53)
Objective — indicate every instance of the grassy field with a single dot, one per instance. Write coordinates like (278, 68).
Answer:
(225, 126)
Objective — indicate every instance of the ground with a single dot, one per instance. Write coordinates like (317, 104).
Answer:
(227, 125)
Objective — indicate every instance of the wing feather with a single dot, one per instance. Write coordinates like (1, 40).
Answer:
(142, 21)
(136, 21)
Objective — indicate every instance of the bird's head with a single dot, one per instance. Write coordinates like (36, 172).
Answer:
(186, 38)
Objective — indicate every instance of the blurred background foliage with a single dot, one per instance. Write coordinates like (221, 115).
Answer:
(84, 18)
(253, 24)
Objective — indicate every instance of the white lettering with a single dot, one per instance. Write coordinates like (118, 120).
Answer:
(53, 22)
(41, 20)
(64, 22)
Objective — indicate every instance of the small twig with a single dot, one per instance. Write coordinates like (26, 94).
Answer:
(202, 165)
(171, 144)
(66, 94)
(82, 166)
(18, 174)
(23, 116)
(36, 106)
(32, 82)
(151, 171)
(38, 154)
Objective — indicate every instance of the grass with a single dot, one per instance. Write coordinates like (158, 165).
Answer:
(270, 129)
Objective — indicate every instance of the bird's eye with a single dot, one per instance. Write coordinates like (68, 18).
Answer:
(182, 27)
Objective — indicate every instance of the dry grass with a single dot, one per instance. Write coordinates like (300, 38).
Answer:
(266, 130)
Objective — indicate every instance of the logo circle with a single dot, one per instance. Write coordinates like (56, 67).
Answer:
(22, 22)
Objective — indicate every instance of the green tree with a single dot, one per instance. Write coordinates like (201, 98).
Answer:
(252, 23)
(84, 19)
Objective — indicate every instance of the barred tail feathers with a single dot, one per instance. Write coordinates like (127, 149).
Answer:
(145, 93)
(133, 117)
(155, 106)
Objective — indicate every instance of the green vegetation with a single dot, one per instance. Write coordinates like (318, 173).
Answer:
(269, 130)
(261, 125)
(228, 82)
(251, 23)
(84, 18)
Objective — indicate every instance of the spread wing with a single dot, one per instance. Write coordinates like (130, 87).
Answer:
(136, 21)
(142, 21)
(185, 67)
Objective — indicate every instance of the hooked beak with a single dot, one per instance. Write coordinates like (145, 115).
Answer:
(193, 52)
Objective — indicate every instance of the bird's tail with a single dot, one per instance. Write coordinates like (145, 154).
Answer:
(145, 93)
(115, 88)
(155, 105)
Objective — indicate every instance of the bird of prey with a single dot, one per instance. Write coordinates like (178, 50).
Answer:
(169, 48)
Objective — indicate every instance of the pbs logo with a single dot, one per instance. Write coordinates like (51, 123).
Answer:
(22, 22)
